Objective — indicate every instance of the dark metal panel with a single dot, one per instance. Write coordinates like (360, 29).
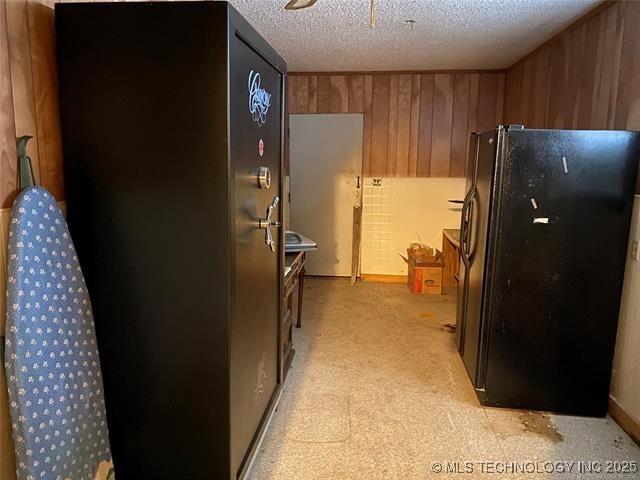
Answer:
(553, 307)
(255, 115)
(249, 418)
(152, 210)
(144, 128)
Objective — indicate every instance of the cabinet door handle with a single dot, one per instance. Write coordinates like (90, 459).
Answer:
(267, 222)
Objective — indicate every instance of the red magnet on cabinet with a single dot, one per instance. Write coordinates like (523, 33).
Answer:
(261, 147)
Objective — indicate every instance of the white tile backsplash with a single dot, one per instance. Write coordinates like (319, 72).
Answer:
(398, 208)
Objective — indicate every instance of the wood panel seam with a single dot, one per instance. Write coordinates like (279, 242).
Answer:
(402, 108)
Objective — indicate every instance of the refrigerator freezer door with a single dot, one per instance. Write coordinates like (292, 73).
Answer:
(474, 250)
(560, 244)
(255, 131)
(464, 223)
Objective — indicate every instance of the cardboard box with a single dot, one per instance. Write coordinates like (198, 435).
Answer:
(425, 270)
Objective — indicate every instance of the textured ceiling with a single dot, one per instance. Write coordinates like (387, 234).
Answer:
(334, 35)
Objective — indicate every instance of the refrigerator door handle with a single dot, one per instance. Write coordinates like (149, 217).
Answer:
(465, 204)
(471, 250)
(463, 232)
(465, 224)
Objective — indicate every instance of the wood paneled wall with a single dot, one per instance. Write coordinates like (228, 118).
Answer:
(415, 124)
(588, 77)
(29, 95)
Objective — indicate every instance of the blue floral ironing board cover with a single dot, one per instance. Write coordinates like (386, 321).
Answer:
(53, 370)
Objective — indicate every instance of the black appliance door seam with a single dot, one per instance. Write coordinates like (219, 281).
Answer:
(465, 260)
(492, 244)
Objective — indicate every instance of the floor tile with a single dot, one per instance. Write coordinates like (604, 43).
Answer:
(377, 390)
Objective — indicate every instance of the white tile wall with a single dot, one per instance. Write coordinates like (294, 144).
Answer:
(398, 211)
(377, 224)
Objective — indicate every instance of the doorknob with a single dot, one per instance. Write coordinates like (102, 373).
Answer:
(267, 223)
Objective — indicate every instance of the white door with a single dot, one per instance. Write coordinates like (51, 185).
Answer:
(326, 168)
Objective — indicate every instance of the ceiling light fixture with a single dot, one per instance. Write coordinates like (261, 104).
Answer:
(411, 23)
(299, 4)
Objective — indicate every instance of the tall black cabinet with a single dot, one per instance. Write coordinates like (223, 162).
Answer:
(172, 124)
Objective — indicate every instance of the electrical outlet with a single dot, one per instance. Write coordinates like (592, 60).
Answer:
(635, 250)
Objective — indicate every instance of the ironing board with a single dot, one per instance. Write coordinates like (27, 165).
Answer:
(51, 358)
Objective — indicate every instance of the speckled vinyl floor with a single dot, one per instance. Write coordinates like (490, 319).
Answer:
(378, 391)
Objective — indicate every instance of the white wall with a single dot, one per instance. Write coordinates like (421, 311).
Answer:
(625, 382)
(399, 212)
(326, 162)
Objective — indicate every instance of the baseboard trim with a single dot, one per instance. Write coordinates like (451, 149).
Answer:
(378, 278)
(625, 420)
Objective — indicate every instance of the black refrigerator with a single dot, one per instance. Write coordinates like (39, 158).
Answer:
(545, 225)
(172, 125)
